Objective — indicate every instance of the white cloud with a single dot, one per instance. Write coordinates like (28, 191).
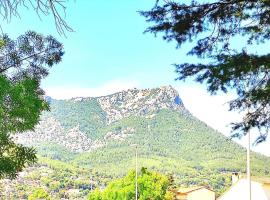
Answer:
(214, 111)
(108, 88)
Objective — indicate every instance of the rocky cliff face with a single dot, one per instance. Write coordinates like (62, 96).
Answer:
(50, 130)
(140, 102)
(133, 102)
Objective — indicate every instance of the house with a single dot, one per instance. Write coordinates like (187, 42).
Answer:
(194, 193)
(239, 191)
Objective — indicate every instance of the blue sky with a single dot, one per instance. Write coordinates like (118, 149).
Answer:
(108, 52)
(108, 45)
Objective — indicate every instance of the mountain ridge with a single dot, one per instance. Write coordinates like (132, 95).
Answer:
(97, 133)
(116, 106)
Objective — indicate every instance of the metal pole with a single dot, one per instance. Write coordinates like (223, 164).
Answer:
(91, 180)
(248, 167)
(91, 184)
(136, 173)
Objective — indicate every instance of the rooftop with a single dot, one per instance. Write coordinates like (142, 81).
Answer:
(190, 189)
(239, 191)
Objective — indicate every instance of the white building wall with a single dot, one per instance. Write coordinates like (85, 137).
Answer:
(201, 194)
(239, 191)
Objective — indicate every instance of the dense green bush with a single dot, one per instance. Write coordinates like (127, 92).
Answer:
(39, 193)
(151, 185)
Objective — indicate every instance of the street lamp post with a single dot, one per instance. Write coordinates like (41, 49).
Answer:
(136, 171)
(91, 180)
(248, 166)
(248, 152)
(91, 183)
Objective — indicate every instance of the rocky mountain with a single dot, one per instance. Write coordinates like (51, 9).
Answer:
(133, 102)
(140, 102)
(97, 133)
(50, 130)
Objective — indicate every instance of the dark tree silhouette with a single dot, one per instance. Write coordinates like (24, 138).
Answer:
(212, 27)
(57, 8)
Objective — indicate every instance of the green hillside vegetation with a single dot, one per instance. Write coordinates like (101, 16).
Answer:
(183, 146)
(87, 114)
(56, 178)
(56, 152)
(169, 142)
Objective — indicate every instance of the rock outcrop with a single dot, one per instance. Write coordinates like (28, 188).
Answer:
(50, 131)
(133, 102)
(140, 102)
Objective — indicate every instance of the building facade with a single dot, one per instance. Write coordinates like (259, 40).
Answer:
(195, 193)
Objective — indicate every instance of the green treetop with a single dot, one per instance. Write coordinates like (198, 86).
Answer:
(39, 193)
(24, 62)
(151, 185)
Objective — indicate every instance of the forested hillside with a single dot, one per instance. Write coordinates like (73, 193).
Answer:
(92, 139)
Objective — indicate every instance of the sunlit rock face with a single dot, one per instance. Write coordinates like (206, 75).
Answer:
(49, 130)
(140, 102)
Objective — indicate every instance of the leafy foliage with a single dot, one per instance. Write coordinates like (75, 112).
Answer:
(22, 65)
(20, 107)
(39, 193)
(151, 185)
(30, 55)
(214, 25)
